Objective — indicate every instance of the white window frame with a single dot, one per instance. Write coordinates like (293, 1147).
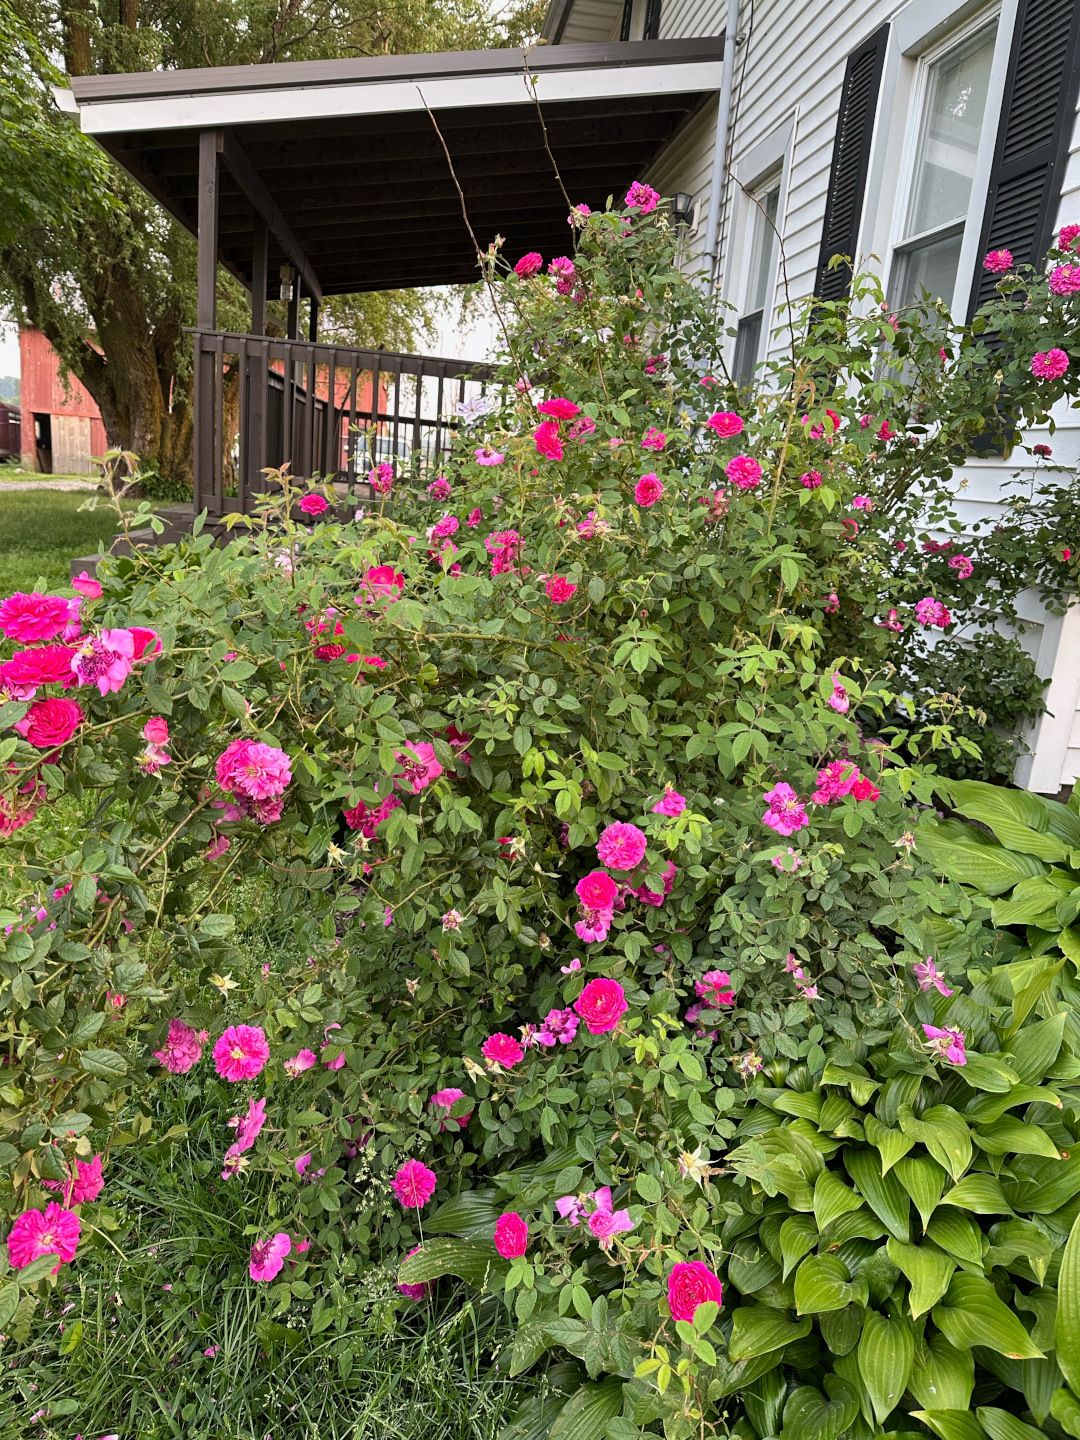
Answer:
(768, 163)
(899, 242)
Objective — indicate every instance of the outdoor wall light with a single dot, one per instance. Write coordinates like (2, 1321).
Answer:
(286, 292)
(682, 209)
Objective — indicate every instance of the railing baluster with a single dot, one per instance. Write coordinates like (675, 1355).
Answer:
(219, 425)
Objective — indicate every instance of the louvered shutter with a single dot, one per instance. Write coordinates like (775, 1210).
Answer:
(850, 163)
(1032, 148)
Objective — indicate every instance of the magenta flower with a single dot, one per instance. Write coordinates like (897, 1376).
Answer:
(104, 661)
(297, 1064)
(714, 988)
(248, 1126)
(571, 1209)
(501, 1049)
(927, 974)
(605, 1223)
(49, 723)
(511, 1235)
(44, 665)
(998, 261)
(444, 528)
(962, 564)
(563, 267)
(268, 1256)
(241, 1052)
(597, 890)
(648, 491)
(1065, 280)
(414, 1184)
(558, 1027)
(559, 590)
(249, 768)
(642, 198)
(671, 803)
(440, 488)
(87, 586)
(834, 782)
(181, 1051)
(570, 969)
(1067, 236)
(486, 455)
(382, 478)
(601, 1005)
(650, 897)
(744, 472)
(839, 697)
(810, 479)
(621, 846)
(443, 1102)
(558, 408)
(725, 423)
(582, 428)
(34, 617)
(529, 264)
(84, 1184)
(788, 863)
(865, 789)
(593, 925)
(1049, 364)
(932, 614)
(862, 502)
(35, 1233)
(947, 1044)
(654, 440)
(786, 812)
(418, 766)
(312, 504)
(547, 440)
(690, 1284)
(420, 1291)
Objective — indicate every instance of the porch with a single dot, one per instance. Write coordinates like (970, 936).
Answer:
(319, 178)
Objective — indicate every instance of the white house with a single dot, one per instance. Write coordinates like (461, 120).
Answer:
(922, 133)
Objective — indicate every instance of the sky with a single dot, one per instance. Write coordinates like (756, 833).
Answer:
(9, 348)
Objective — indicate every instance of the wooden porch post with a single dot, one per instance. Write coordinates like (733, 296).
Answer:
(207, 376)
(293, 324)
(313, 320)
(260, 256)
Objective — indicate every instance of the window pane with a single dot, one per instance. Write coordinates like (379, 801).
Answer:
(747, 343)
(931, 268)
(949, 140)
(761, 253)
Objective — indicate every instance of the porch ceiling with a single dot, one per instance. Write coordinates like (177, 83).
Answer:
(348, 155)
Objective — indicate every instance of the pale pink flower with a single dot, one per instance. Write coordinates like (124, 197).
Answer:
(502, 1049)
(671, 803)
(86, 586)
(511, 1235)
(927, 974)
(893, 622)
(268, 1256)
(104, 661)
(181, 1050)
(606, 1224)
(301, 1163)
(414, 1184)
(241, 1052)
(235, 1163)
(486, 455)
(998, 261)
(419, 766)
(35, 1233)
(946, 1044)
(621, 846)
(1049, 364)
(648, 491)
(744, 472)
(298, 1063)
(571, 1209)
(789, 862)
(570, 969)
(786, 812)
(839, 698)
(443, 1101)
(452, 920)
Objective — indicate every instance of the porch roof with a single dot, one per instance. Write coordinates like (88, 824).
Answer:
(340, 157)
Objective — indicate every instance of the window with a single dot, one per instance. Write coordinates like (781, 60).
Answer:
(947, 148)
(757, 306)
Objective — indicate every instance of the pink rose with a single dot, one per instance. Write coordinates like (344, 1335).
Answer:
(34, 617)
(725, 423)
(671, 803)
(87, 586)
(313, 505)
(443, 1101)
(654, 440)
(529, 264)
(998, 261)
(241, 1052)
(156, 730)
(414, 1184)
(54, 1231)
(504, 1050)
(648, 491)
(547, 440)
(690, 1284)
(559, 590)
(268, 1256)
(621, 846)
(743, 471)
(642, 198)
(45, 665)
(49, 723)
(1047, 365)
(601, 1005)
(511, 1235)
(558, 408)
(181, 1051)
(597, 890)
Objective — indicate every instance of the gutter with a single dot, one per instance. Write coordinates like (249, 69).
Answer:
(718, 176)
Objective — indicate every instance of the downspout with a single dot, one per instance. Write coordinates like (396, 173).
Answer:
(720, 145)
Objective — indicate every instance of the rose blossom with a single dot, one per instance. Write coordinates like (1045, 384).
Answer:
(786, 812)
(420, 1291)
(834, 782)
(839, 697)
(558, 589)
(691, 1284)
(250, 768)
(529, 264)
(298, 1063)
(744, 472)
(642, 198)
(865, 789)
(414, 1184)
(571, 1209)
(50, 722)
(447, 526)
(35, 1233)
(605, 1223)
(621, 846)
(650, 897)
(810, 479)
(443, 1101)
(547, 440)
(671, 803)
(600, 1005)
(46, 665)
(418, 766)
(156, 730)
(241, 1052)
(182, 1049)
(648, 491)
(440, 488)
(105, 661)
(594, 924)
(654, 440)
(33, 617)
(559, 1027)
(725, 423)
(511, 1235)
(268, 1256)
(927, 974)
(946, 1044)
(932, 614)
(486, 455)
(501, 1049)
(1049, 364)
(87, 586)
(998, 261)
(312, 504)
(84, 1184)
(1065, 280)
(714, 988)
(597, 890)
(382, 478)
(558, 408)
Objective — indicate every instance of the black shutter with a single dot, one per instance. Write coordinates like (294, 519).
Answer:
(1032, 149)
(850, 163)
(652, 20)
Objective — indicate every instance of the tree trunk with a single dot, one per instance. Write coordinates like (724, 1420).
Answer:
(78, 57)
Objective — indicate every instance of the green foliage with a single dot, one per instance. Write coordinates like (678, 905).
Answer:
(695, 645)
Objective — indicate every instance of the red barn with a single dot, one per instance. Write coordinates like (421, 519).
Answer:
(62, 427)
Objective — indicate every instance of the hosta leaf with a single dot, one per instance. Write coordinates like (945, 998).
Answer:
(1043, 1185)
(758, 1329)
(469, 1215)
(982, 1194)
(1031, 902)
(832, 1198)
(884, 1194)
(972, 1314)
(1036, 1047)
(809, 1415)
(988, 1072)
(924, 1180)
(823, 1282)
(957, 1234)
(989, 868)
(1065, 1408)
(751, 1266)
(764, 1401)
(586, 1414)
(1000, 1425)
(886, 1352)
(951, 1424)
(985, 1109)
(1068, 1314)
(470, 1260)
(729, 1377)
(1019, 819)
(929, 1272)
(942, 1377)
(893, 1144)
(1041, 1379)
(840, 1329)
(945, 1134)
(1010, 1135)
(798, 1236)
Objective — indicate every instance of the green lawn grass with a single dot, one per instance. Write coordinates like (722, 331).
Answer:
(41, 532)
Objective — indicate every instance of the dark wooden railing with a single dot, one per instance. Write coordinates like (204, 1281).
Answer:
(322, 409)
